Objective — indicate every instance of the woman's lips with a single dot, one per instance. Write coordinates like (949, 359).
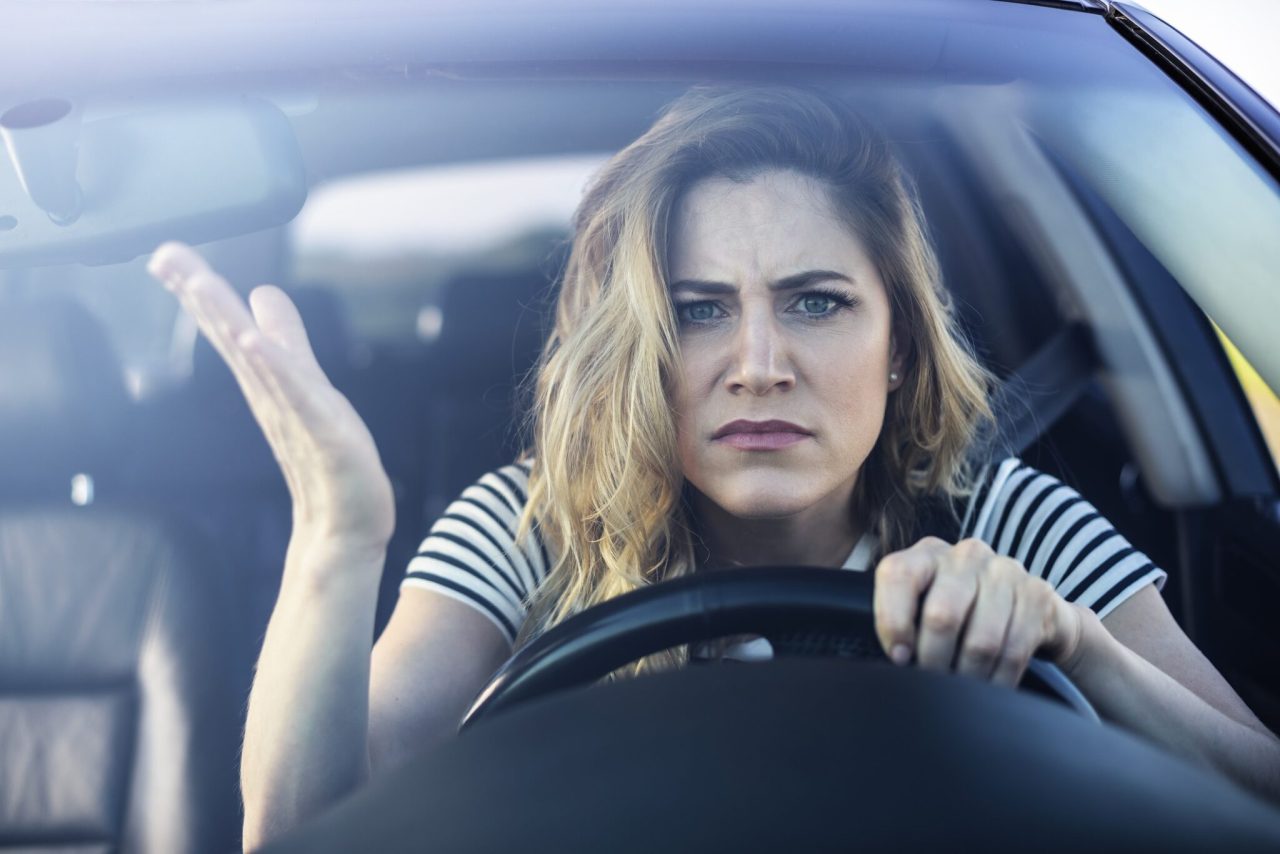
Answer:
(760, 435)
(761, 441)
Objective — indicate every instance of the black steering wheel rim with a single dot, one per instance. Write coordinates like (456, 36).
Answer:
(774, 602)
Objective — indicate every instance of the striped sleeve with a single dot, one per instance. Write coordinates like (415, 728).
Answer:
(470, 553)
(1051, 530)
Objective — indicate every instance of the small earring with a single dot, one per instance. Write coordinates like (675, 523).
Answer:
(893, 376)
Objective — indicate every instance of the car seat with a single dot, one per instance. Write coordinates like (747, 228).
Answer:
(493, 327)
(119, 703)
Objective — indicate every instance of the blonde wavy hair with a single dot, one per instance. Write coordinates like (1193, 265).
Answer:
(606, 490)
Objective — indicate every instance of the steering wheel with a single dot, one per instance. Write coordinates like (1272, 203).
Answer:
(800, 610)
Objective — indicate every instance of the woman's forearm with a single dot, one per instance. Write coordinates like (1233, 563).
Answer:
(306, 734)
(1127, 689)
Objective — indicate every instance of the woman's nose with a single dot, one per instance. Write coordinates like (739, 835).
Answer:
(760, 360)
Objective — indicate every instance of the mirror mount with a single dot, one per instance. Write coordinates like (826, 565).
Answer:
(43, 140)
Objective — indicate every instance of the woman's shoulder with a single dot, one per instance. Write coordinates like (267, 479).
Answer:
(1006, 484)
(1057, 534)
(1001, 483)
(990, 480)
(504, 489)
(956, 517)
(473, 552)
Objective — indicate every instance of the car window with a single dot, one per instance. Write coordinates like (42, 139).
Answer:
(1179, 185)
(1262, 398)
(388, 242)
(1197, 201)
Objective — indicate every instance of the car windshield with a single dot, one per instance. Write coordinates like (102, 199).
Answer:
(1114, 119)
(982, 121)
(410, 179)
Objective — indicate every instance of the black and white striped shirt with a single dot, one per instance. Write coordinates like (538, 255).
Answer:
(470, 553)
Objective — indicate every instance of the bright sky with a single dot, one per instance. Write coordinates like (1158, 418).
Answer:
(1241, 34)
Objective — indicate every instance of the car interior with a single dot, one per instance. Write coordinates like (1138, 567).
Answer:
(143, 521)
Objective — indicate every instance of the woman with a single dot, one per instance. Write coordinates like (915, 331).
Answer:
(752, 363)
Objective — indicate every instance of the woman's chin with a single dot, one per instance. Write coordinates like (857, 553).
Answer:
(767, 509)
(764, 501)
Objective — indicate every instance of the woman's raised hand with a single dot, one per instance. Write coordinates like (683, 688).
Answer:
(340, 491)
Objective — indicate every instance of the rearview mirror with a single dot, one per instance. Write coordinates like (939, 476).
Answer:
(108, 190)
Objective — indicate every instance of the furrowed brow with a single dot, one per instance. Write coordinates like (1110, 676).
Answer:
(701, 286)
(789, 283)
(807, 278)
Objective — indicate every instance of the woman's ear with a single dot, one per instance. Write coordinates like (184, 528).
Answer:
(899, 346)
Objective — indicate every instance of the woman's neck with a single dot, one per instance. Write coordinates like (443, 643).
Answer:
(820, 536)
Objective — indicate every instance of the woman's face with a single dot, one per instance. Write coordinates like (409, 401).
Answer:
(783, 318)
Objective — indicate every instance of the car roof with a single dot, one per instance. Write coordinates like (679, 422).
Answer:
(195, 43)
(423, 56)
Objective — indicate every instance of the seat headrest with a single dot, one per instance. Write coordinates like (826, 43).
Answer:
(493, 326)
(62, 393)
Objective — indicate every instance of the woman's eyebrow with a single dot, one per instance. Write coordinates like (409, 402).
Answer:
(788, 283)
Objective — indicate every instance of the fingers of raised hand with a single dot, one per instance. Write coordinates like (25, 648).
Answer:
(265, 371)
(261, 347)
(287, 378)
(278, 319)
(900, 579)
(220, 313)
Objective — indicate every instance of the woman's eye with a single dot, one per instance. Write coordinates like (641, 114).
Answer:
(817, 304)
(697, 312)
(821, 304)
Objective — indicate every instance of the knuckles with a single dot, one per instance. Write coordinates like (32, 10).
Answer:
(941, 617)
(981, 650)
(963, 563)
(931, 543)
(1001, 569)
(893, 568)
(972, 550)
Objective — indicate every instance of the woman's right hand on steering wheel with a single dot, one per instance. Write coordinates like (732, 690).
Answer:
(340, 491)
